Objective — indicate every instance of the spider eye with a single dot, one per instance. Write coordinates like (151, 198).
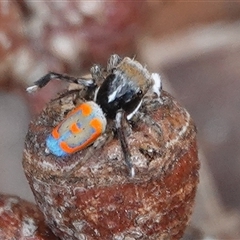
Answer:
(140, 93)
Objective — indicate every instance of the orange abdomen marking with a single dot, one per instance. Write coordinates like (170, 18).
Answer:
(75, 129)
(81, 128)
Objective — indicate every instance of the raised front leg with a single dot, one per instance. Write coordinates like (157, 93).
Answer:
(43, 81)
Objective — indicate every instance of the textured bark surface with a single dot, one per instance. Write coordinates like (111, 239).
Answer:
(89, 195)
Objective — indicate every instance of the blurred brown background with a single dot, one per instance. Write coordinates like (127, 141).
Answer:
(196, 47)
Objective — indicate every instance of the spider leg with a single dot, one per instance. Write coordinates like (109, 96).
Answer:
(97, 73)
(113, 61)
(43, 81)
(120, 118)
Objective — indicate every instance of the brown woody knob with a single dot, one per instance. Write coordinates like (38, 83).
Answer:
(20, 219)
(89, 195)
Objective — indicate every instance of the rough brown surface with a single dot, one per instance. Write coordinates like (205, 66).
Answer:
(96, 199)
(20, 219)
